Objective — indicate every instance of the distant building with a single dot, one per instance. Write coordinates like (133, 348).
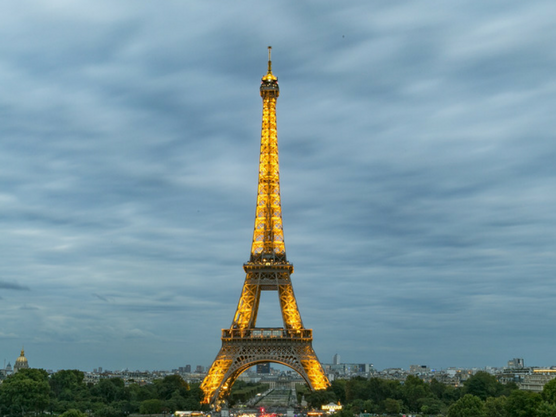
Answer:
(516, 363)
(331, 408)
(536, 380)
(263, 368)
(188, 368)
(349, 369)
(418, 369)
(21, 362)
(336, 359)
(200, 369)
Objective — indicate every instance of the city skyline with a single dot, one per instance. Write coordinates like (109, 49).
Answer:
(417, 178)
(513, 363)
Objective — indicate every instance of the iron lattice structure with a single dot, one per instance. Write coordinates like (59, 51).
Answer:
(244, 344)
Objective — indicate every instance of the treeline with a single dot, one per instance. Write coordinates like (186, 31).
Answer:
(34, 391)
(243, 391)
(481, 396)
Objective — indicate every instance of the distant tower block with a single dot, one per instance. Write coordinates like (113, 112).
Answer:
(336, 359)
(244, 344)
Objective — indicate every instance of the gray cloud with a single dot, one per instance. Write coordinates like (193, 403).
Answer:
(13, 286)
(417, 178)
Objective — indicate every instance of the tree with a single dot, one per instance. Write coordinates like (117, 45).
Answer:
(338, 386)
(483, 385)
(496, 407)
(73, 413)
(467, 406)
(451, 395)
(381, 389)
(108, 390)
(523, 404)
(171, 383)
(391, 406)
(141, 392)
(431, 405)
(67, 380)
(437, 388)
(69, 391)
(356, 389)
(413, 390)
(546, 410)
(320, 397)
(549, 392)
(343, 413)
(151, 407)
(357, 406)
(25, 391)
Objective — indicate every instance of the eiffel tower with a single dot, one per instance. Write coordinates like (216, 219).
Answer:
(244, 344)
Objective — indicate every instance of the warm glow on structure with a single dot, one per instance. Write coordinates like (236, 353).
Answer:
(244, 344)
(331, 407)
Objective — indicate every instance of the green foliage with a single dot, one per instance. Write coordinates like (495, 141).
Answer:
(141, 393)
(109, 390)
(437, 388)
(549, 392)
(153, 406)
(483, 385)
(343, 413)
(31, 391)
(356, 388)
(431, 405)
(243, 391)
(339, 388)
(106, 410)
(68, 390)
(546, 410)
(508, 388)
(381, 389)
(25, 391)
(392, 406)
(496, 407)
(73, 413)
(467, 406)
(166, 387)
(451, 395)
(523, 404)
(320, 397)
(413, 390)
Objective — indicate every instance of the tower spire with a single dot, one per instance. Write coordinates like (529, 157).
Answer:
(268, 235)
(269, 76)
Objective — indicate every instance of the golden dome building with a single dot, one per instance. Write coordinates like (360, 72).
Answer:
(21, 362)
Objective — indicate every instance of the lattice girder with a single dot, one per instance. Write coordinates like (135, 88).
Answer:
(268, 234)
(244, 345)
(240, 355)
(247, 308)
(288, 304)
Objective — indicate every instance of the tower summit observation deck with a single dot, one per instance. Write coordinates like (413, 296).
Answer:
(244, 344)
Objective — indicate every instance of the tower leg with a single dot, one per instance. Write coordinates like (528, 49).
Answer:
(237, 356)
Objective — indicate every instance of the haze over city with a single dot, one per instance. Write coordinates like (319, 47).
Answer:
(417, 175)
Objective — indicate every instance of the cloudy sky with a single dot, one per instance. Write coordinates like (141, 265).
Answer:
(418, 178)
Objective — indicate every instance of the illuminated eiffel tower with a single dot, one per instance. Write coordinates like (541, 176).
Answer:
(244, 344)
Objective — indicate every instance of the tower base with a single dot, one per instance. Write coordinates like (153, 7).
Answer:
(243, 349)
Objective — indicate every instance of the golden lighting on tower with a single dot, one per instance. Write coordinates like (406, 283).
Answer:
(244, 344)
